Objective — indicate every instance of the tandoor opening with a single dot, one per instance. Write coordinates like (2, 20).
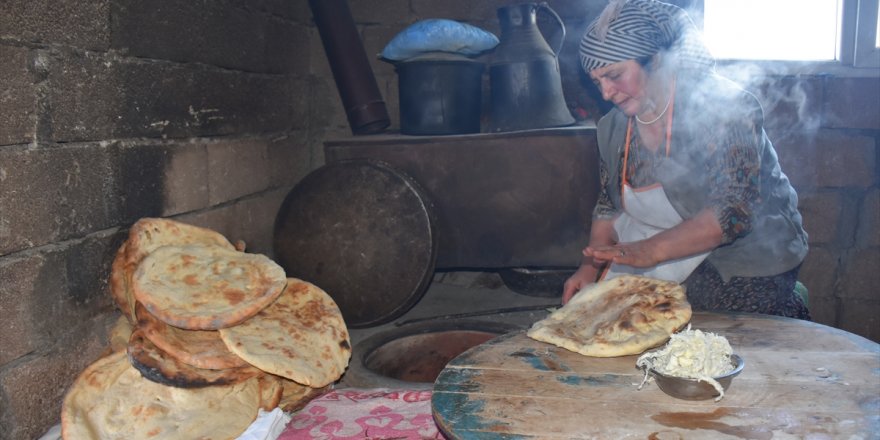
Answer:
(421, 357)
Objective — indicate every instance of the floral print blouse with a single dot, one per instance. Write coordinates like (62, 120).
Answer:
(733, 185)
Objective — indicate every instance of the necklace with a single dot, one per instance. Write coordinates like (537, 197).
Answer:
(658, 116)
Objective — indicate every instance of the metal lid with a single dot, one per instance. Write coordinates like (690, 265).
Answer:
(364, 233)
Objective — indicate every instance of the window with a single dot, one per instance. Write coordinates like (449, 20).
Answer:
(843, 32)
(805, 30)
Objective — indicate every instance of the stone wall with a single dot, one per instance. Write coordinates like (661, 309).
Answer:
(210, 111)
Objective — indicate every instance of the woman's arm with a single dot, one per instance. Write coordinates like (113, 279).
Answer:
(601, 234)
(690, 237)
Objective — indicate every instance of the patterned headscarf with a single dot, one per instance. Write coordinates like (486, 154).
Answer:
(631, 29)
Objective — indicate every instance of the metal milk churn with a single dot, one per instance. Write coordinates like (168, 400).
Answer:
(524, 80)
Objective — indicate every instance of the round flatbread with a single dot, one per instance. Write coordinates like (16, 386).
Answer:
(618, 317)
(120, 333)
(295, 397)
(110, 400)
(206, 287)
(301, 336)
(149, 234)
(158, 366)
(199, 348)
(270, 391)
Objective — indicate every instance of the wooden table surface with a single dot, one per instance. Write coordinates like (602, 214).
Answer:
(801, 380)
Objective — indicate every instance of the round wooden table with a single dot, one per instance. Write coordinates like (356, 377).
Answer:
(801, 380)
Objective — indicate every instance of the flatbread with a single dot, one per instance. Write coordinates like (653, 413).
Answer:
(120, 333)
(110, 400)
(206, 287)
(199, 348)
(270, 391)
(301, 336)
(295, 397)
(119, 283)
(160, 367)
(618, 317)
(149, 234)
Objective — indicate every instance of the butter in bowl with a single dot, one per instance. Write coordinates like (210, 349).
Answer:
(693, 365)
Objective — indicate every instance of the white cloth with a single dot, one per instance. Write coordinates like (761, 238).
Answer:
(647, 212)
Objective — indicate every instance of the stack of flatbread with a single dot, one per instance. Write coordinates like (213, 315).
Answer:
(209, 335)
(622, 316)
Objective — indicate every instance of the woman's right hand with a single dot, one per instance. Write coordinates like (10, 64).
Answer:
(585, 275)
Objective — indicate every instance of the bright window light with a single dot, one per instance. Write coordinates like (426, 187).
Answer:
(807, 30)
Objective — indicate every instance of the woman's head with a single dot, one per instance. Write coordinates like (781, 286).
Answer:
(625, 84)
(640, 29)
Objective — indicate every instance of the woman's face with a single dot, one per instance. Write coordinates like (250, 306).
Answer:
(624, 84)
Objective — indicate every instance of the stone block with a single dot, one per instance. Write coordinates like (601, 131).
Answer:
(375, 39)
(237, 169)
(54, 194)
(852, 102)
(73, 23)
(387, 11)
(31, 391)
(824, 310)
(289, 48)
(861, 317)
(214, 33)
(185, 179)
(45, 294)
(295, 10)
(300, 103)
(318, 63)
(461, 10)
(17, 96)
(290, 159)
(327, 111)
(792, 104)
(818, 273)
(257, 219)
(18, 335)
(868, 233)
(101, 96)
(860, 275)
(223, 219)
(821, 213)
(828, 159)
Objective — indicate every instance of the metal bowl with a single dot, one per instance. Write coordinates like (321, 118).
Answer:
(692, 389)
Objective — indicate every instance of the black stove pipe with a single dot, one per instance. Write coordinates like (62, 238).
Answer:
(351, 69)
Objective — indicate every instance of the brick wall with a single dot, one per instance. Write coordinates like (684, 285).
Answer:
(209, 111)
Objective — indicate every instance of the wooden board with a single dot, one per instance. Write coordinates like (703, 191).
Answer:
(801, 380)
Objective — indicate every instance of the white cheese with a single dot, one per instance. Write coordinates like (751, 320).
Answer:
(691, 354)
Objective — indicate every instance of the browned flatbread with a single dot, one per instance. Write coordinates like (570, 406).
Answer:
(206, 287)
(270, 391)
(622, 316)
(301, 336)
(110, 400)
(120, 333)
(119, 288)
(160, 367)
(149, 234)
(199, 348)
(295, 397)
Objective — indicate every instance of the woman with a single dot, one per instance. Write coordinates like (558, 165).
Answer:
(692, 190)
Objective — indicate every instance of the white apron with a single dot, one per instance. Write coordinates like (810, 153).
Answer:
(647, 212)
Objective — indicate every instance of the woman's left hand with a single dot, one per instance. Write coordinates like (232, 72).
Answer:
(636, 254)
